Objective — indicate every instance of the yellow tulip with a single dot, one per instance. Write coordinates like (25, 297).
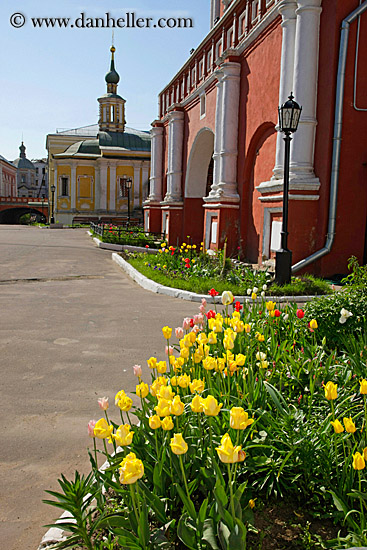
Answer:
(202, 338)
(163, 408)
(155, 422)
(174, 381)
(131, 469)
(178, 445)
(228, 343)
(152, 362)
(251, 503)
(270, 305)
(198, 355)
(197, 404)
(165, 392)
(142, 390)
(313, 324)
(167, 423)
(227, 297)
(184, 353)
(239, 419)
(119, 395)
(247, 328)
(123, 435)
(197, 386)
(157, 384)
(229, 454)
(177, 407)
(212, 338)
(363, 386)
(161, 367)
(209, 363)
(167, 332)
(349, 425)
(125, 403)
(184, 380)
(358, 462)
(338, 427)
(211, 407)
(102, 429)
(331, 392)
(253, 296)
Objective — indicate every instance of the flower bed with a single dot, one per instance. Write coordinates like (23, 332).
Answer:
(243, 407)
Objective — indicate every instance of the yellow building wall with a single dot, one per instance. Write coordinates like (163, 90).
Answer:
(128, 171)
(85, 188)
(63, 203)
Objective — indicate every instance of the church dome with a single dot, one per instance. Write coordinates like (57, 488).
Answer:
(112, 77)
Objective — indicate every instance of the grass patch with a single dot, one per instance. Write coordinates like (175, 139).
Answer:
(194, 284)
(307, 285)
(300, 286)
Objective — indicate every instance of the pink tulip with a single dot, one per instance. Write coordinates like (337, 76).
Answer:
(195, 329)
(186, 323)
(202, 309)
(179, 332)
(91, 425)
(103, 403)
(203, 302)
(200, 319)
(169, 351)
(137, 371)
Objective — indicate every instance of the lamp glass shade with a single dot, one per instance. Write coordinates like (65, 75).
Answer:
(129, 182)
(289, 114)
(53, 189)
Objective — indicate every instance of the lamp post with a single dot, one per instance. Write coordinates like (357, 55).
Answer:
(53, 189)
(289, 114)
(126, 184)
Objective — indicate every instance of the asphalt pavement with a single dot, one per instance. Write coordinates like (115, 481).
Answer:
(72, 326)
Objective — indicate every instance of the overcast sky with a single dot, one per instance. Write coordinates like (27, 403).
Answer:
(51, 77)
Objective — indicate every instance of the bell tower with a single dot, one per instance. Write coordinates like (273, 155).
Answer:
(111, 105)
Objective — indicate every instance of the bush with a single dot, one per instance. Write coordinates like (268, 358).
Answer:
(308, 285)
(328, 312)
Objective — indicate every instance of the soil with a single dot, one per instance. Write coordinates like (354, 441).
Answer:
(285, 526)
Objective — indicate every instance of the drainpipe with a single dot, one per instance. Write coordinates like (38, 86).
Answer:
(338, 119)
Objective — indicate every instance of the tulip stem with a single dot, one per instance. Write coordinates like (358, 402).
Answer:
(95, 451)
(231, 490)
(105, 448)
(360, 490)
(134, 503)
(183, 475)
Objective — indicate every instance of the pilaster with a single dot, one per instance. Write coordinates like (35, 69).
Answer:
(156, 173)
(175, 146)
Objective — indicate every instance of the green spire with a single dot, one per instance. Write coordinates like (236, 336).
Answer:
(112, 77)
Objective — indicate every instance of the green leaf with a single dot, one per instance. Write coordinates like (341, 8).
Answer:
(338, 502)
(223, 535)
(237, 538)
(143, 526)
(114, 520)
(277, 399)
(188, 504)
(186, 534)
(202, 514)
(209, 534)
(155, 502)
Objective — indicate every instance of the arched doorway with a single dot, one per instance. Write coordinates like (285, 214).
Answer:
(198, 182)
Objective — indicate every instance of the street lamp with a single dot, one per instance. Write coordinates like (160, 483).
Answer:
(289, 114)
(126, 184)
(53, 189)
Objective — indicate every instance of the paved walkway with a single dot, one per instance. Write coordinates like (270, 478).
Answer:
(72, 326)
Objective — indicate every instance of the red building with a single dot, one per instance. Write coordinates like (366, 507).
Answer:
(217, 159)
(8, 178)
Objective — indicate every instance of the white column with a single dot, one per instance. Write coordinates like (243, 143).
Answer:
(136, 185)
(305, 89)
(156, 169)
(73, 189)
(145, 181)
(103, 187)
(226, 187)
(287, 9)
(97, 187)
(217, 135)
(112, 201)
(175, 145)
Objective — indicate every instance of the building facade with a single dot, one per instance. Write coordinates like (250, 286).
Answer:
(8, 178)
(26, 174)
(217, 158)
(89, 166)
(41, 178)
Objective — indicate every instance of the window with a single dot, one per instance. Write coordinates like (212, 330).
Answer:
(202, 106)
(64, 186)
(123, 188)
